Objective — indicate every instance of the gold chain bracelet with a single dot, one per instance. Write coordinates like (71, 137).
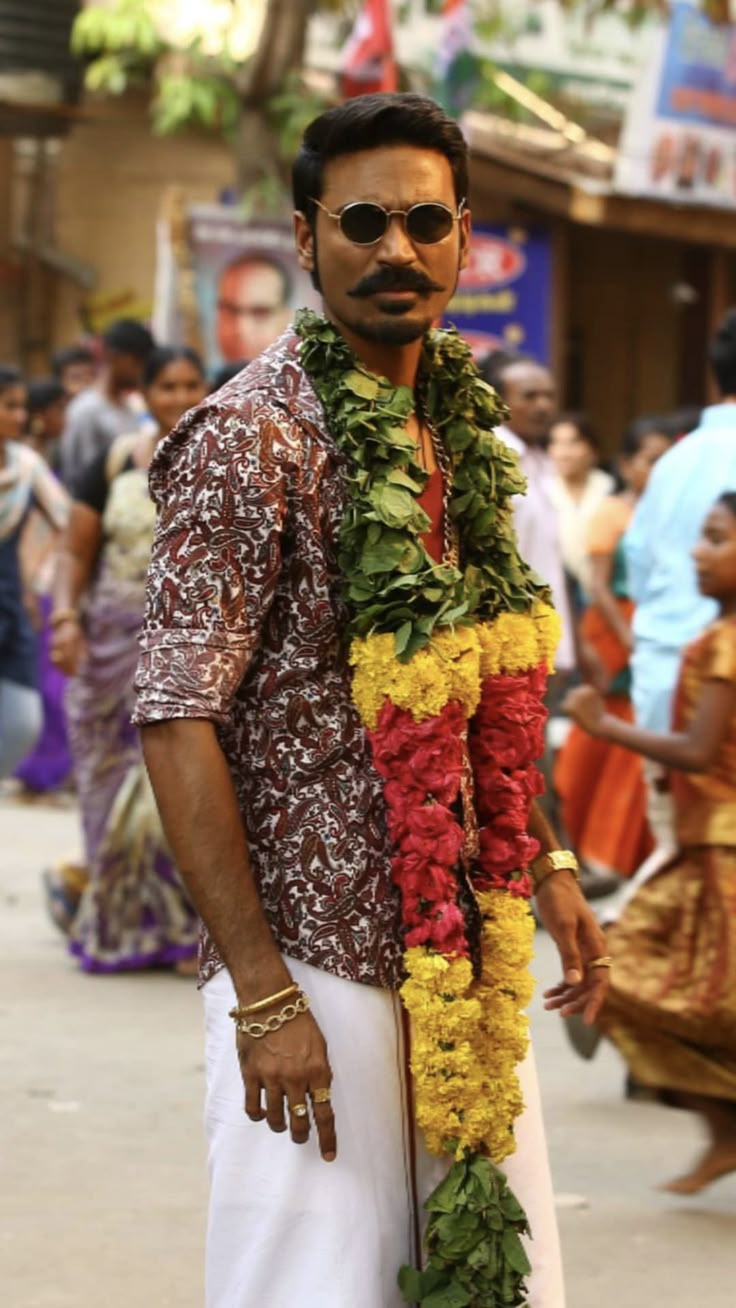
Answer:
(257, 1030)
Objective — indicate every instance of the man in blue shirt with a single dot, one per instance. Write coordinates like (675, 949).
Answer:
(670, 611)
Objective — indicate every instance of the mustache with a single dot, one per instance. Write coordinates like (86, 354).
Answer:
(389, 278)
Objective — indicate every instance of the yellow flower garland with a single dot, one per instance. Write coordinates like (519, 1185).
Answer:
(452, 666)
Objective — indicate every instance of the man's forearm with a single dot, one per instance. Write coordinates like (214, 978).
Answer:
(199, 810)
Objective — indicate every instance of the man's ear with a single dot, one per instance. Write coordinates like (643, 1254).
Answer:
(304, 240)
(465, 225)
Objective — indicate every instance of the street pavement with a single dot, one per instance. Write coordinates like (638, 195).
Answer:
(102, 1200)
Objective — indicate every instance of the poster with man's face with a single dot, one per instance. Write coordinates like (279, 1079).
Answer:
(248, 283)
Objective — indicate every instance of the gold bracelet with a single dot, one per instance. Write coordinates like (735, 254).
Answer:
(557, 860)
(243, 1009)
(257, 1030)
(63, 615)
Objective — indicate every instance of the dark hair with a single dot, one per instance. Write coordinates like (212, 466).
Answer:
(255, 256)
(163, 355)
(584, 427)
(226, 373)
(637, 431)
(728, 500)
(9, 376)
(367, 122)
(43, 392)
(679, 422)
(722, 354)
(62, 359)
(126, 336)
(496, 364)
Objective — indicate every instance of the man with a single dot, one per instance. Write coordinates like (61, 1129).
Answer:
(259, 762)
(252, 306)
(75, 367)
(528, 390)
(670, 611)
(111, 408)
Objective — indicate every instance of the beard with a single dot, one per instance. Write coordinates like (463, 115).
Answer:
(394, 331)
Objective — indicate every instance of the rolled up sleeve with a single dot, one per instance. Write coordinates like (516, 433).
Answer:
(219, 483)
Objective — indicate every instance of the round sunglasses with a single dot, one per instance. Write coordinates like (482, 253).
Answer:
(364, 223)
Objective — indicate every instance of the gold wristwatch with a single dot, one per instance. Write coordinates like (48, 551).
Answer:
(555, 860)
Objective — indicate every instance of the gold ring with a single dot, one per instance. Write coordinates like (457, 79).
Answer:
(321, 1096)
(604, 961)
(299, 1110)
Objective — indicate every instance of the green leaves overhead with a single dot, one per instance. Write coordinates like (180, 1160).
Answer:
(392, 583)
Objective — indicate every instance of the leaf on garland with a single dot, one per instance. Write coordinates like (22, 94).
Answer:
(362, 384)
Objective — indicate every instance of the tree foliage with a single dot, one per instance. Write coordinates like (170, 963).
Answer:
(261, 103)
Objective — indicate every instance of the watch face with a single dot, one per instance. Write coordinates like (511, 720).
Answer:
(562, 858)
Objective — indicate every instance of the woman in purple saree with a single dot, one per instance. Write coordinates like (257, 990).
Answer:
(133, 912)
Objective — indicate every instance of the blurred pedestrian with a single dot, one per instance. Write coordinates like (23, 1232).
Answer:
(578, 488)
(24, 482)
(48, 766)
(113, 406)
(671, 1008)
(133, 911)
(47, 408)
(658, 546)
(75, 367)
(600, 785)
(528, 389)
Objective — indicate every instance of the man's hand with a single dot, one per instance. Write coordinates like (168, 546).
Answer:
(579, 939)
(586, 707)
(290, 1065)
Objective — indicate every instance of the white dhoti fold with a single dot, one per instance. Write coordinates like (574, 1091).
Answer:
(287, 1230)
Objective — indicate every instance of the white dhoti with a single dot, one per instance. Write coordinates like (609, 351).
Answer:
(287, 1230)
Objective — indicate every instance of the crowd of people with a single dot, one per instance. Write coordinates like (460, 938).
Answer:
(641, 556)
(76, 526)
(638, 551)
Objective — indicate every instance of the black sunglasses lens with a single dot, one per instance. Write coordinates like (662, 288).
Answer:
(363, 224)
(429, 223)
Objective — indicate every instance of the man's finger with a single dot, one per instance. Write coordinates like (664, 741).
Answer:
(597, 992)
(572, 966)
(253, 1104)
(275, 1108)
(324, 1120)
(298, 1115)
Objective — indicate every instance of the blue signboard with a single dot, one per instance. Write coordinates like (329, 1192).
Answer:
(503, 298)
(698, 80)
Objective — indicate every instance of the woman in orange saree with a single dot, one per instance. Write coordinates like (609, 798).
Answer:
(600, 785)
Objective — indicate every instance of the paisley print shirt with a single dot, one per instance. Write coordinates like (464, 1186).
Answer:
(245, 627)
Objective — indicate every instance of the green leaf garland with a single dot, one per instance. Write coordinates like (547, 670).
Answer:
(392, 583)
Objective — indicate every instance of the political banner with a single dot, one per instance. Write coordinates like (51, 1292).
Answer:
(679, 138)
(239, 280)
(503, 298)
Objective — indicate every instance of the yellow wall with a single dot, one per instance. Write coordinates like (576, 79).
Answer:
(112, 174)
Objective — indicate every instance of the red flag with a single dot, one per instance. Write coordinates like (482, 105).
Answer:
(368, 62)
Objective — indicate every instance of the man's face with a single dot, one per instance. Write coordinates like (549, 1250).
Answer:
(393, 291)
(76, 377)
(126, 369)
(251, 310)
(529, 392)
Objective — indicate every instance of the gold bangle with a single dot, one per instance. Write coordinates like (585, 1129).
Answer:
(257, 1030)
(241, 1010)
(557, 860)
(63, 615)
